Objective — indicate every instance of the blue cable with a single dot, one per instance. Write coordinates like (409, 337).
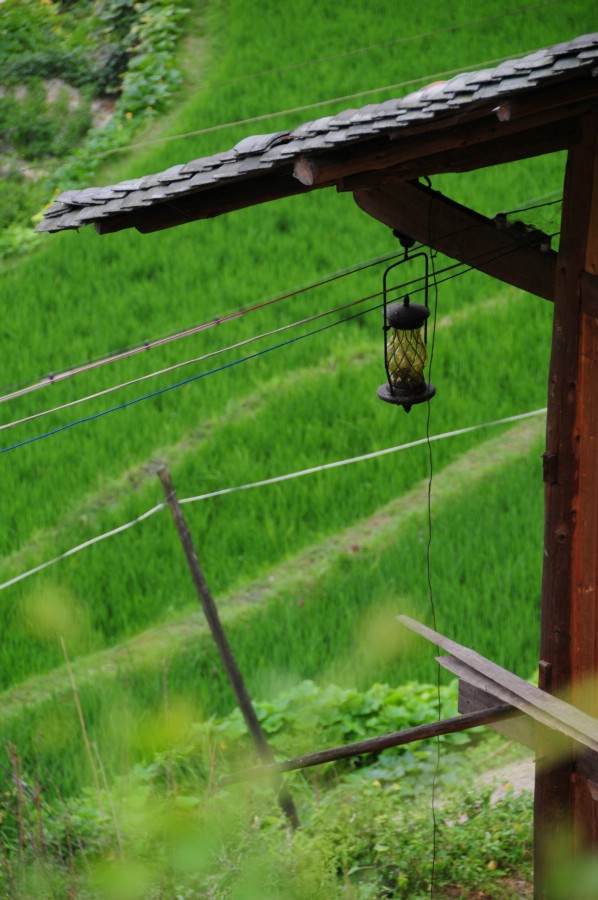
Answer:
(171, 387)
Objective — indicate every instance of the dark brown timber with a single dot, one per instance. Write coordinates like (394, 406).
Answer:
(377, 744)
(565, 810)
(438, 222)
(229, 662)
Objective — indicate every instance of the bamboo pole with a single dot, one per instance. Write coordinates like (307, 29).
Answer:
(229, 662)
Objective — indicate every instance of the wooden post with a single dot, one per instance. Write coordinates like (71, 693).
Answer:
(229, 662)
(564, 804)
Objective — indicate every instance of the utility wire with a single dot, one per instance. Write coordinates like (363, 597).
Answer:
(263, 117)
(172, 387)
(71, 371)
(277, 479)
(380, 46)
(188, 362)
(61, 375)
(433, 255)
(83, 546)
(463, 270)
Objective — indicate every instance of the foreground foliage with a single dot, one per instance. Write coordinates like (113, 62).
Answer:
(57, 58)
(170, 831)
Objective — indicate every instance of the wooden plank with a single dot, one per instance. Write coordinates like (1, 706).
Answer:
(550, 711)
(206, 203)
(465, 159)
(539, 730)
(589, 294)
(459, 150)
(561, 493)
(438, 222)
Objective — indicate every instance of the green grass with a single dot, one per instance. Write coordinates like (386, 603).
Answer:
(310, 402)
(329, 613)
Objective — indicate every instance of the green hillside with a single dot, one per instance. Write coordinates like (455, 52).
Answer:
(310, 571)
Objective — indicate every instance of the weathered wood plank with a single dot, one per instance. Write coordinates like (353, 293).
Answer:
(461, 233)
(520, 728)
(462, 148)
(551, 711)
(559, 136)
(589, 294)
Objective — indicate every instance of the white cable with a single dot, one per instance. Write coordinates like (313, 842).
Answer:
(79, 547)
(275, 480)
(355, 459)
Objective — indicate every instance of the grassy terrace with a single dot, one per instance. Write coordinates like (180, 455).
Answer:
(310, 573)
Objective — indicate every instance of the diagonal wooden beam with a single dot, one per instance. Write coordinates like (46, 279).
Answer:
(461, 233)
(378, 744)
(550, 711)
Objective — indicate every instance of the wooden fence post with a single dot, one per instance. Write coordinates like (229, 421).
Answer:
(229, 662)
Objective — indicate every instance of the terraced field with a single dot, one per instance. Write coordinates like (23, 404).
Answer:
(310, 571)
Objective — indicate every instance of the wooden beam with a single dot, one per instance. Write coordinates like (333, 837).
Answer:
(485, 127)
(458, 149)
(376, 744)
(589, 294)
(568, 651)
(459, 232)
(557, 137)
(519, 728)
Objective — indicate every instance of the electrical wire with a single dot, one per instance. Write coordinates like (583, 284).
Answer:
(380, 46)
(55, 377)
(463, 270)
(429, 548)
(277, 479)
(263, 117)
(71, 371)
(171, 387)
(188, 362)
(83, 546)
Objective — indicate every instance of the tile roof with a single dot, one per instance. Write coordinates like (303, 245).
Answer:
(270, 154)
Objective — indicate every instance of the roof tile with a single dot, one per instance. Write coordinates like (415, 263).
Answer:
(257, 154)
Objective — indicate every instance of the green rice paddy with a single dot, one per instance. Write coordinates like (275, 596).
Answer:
(297, 406)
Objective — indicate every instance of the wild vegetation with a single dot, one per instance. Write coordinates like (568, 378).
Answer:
(311, 572)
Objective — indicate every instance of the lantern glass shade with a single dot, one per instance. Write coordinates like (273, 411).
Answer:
(405, 355)
(405, 358)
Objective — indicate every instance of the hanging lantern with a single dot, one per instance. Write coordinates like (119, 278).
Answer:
(405, 332)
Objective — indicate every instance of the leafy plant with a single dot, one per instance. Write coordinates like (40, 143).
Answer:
(115, 47)
(169, 821)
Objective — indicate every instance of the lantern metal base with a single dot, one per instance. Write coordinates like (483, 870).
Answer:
(406, 397)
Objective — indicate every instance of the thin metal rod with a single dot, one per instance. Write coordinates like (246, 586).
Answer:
(229, 662)
(377, 744)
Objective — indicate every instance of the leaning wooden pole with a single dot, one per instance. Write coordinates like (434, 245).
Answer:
(566, 807)
(229, 662)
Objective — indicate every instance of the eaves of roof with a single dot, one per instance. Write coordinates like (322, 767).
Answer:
(448, 126)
